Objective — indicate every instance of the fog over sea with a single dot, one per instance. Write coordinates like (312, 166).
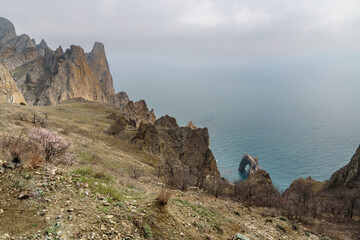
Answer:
(300, 117)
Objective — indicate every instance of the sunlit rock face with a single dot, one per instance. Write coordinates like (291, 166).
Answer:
(9, 93)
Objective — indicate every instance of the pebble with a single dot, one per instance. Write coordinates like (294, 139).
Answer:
(5, 236)
(23, 196)
(239, 236)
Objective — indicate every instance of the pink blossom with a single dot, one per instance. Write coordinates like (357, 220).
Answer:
(56, 148)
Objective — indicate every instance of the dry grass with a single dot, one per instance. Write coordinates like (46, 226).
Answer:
(100, 155)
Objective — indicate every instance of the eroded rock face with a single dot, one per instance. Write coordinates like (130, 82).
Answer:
(99, 65)
(71, 77)
(9, 93)
(253, 163)
(47, 77)
(166, 122)
(349, 175)
(165, 139)
(260, 178)
(7, 30)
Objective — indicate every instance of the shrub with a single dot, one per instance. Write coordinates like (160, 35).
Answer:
(163, 197)
(56, 148)
(15, 147)
(295, 226)
(147, 231)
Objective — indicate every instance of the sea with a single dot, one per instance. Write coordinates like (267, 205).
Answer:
(300, 118)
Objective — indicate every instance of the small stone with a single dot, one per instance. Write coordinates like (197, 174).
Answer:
(103, 228)
(70, 210)
(5, 236)
(1, 211)
(23, 196)
(109, 216)
(182, 234)
(239, 236)
(106, 204)
(69, 218)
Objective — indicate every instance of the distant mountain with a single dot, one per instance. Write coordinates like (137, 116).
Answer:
(47, 77)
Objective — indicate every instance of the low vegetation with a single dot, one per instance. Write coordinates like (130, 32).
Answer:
(117, 184)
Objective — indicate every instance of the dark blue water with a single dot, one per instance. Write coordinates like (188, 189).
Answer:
(299, 121)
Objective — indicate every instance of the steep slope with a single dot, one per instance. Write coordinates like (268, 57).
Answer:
(71, 77)
(100, 198)
(349, 175)
(97, 62)
(9, 93)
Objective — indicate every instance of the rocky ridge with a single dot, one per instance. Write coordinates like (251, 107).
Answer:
(47, 77)
(188, 145)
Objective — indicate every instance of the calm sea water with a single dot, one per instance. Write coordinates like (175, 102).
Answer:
(298, 121)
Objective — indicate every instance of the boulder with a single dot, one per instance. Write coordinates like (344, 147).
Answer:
(239, 236)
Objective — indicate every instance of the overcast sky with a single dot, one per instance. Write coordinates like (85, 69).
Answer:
(203, 33)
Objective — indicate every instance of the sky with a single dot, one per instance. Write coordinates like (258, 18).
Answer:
(185, 34)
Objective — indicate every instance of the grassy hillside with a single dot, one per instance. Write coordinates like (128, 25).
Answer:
(112, 190)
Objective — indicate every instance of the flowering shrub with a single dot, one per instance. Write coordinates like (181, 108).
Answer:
(56, 148)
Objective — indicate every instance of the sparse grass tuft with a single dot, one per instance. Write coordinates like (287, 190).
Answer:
(147, 231)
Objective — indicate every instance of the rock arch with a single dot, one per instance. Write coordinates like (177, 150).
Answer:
(252, 162)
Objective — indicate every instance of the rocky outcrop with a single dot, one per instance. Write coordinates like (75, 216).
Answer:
(7, 30)
(252, 162)
(260, 178)
(9, 93)
(71, 77)
(47, 77)
(166, 122)
(166, 140)
(99, 65)
(191, 125)
(349, 175)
